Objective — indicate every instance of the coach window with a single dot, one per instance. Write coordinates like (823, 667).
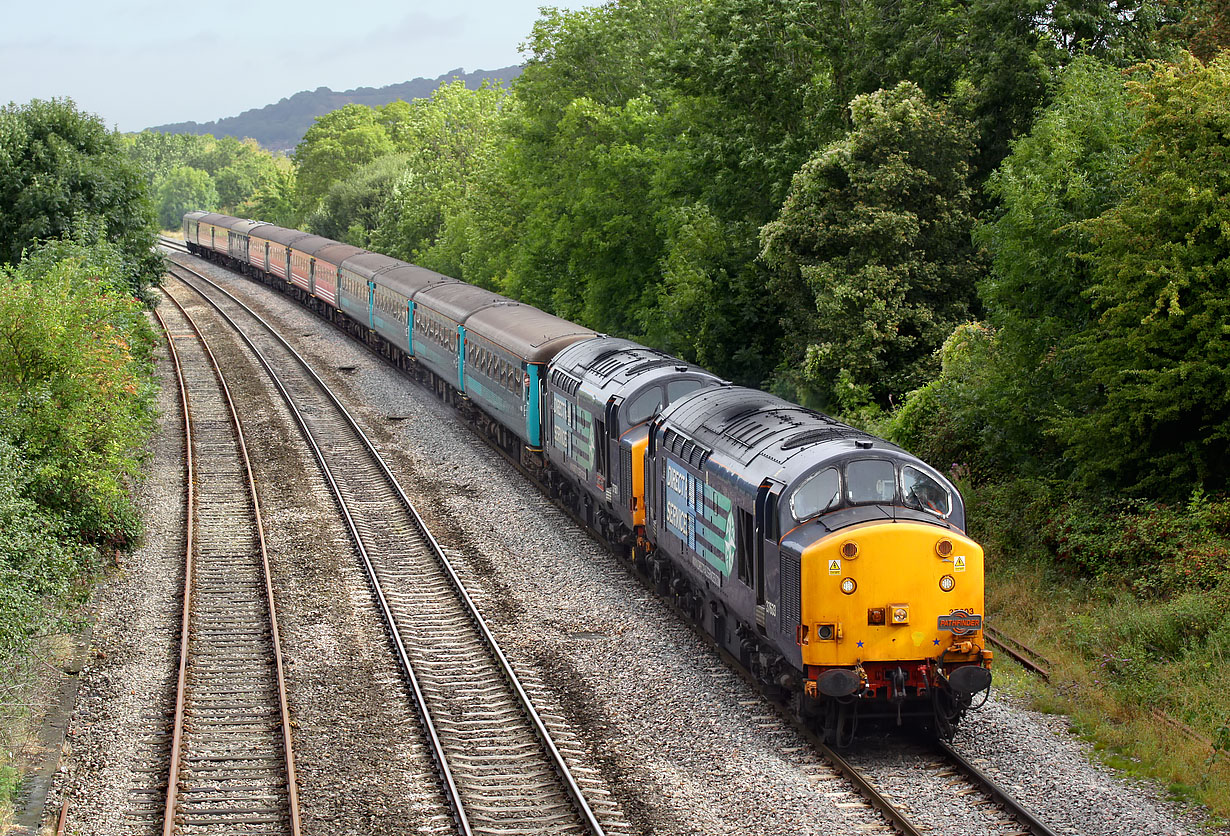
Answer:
(924, 493)
(869, 481)
(817, 494)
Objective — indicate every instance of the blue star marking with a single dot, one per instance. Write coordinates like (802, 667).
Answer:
(860, 644)
(936, 642)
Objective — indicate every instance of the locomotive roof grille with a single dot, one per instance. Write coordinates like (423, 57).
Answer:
(608, 362)
(820, 434)
(565, 382)
(685, 449)
(655, 363)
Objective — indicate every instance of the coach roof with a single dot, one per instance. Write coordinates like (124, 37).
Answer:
(336, 253)
(526, 331)
(277, 234)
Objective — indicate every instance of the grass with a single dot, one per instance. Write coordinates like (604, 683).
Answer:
(17, 686)
(1114, 657)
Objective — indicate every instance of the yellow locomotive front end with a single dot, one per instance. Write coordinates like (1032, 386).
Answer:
(891, 613)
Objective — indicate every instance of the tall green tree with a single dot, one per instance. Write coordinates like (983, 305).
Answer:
(182, 190)
(444, 140)
(1005, 383)
(274, 201)
(1158, 353)
(352, 208)
(335, 146)
(248, 172)
(873, 243)
(62, 173)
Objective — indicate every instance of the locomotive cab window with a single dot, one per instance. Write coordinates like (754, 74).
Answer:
(924, 493)
(870, 481)
(676, 389)
(819, 493)
(645, 406)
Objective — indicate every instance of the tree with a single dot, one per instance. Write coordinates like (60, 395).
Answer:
(62, 173)
(444, 140)
(873, 243)
(250, 170)
(1158, 353)
(184, 189)
(1071, 167)
(157, 154)
(335, 146)
(275, 200)
(352, 207)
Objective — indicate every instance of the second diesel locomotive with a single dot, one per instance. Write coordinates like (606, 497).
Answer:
(832, 563)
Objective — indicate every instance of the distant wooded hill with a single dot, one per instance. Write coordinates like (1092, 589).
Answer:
(279, 127)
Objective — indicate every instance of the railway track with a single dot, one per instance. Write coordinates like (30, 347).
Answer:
(498, 762)
(173, 244)
(231, 760)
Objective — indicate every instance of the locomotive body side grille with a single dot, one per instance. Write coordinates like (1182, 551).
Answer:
(625, 476)
(791, 592)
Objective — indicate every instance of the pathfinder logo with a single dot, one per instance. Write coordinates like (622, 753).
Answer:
(960, 622)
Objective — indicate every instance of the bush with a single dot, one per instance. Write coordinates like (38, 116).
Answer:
(1150, 547)
(39, 560)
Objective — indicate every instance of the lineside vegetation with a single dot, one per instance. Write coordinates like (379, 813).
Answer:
(76, 383)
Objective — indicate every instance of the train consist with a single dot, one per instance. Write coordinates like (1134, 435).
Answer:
(832, 563)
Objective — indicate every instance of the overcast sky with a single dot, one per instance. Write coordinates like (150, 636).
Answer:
(135, 63)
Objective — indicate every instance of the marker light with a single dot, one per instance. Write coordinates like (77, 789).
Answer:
(899, 613)
(848, 585)
(849, 550)
(948, 583)
(944, 547)
(875, 615)
(825, 632)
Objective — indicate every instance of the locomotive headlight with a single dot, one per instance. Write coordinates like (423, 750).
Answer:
(848, 585)
(899, 613)
(948, 583)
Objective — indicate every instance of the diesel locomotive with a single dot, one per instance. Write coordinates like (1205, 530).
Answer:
(833, 564)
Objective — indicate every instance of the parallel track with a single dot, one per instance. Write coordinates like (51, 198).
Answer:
(172, 244)
(500, 768)
(231, 764)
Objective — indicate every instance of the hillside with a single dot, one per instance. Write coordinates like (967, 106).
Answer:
(279, 127)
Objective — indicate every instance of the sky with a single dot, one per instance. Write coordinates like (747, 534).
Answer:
(137, 64)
